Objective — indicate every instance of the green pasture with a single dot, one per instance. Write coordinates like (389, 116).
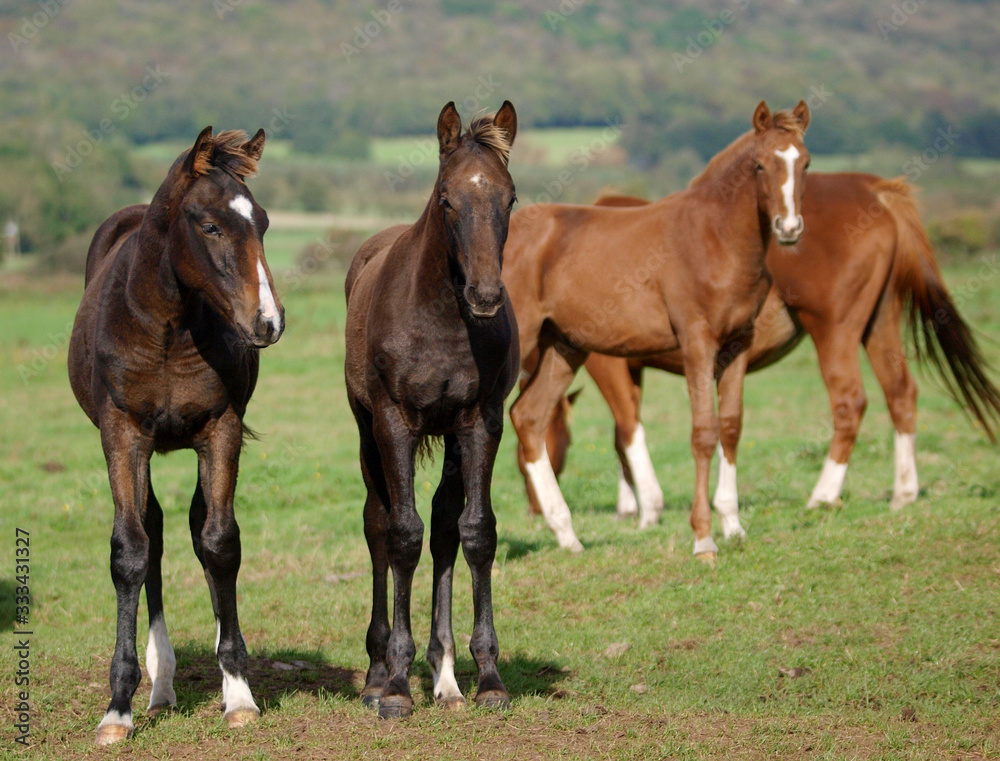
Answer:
(847, 632)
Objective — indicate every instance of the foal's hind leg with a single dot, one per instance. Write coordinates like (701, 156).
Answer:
(216, 538)
(449, 499)
(837, 349)
(376, 518)
(127, 453)
(477, 528)
(531, 415)
(726, 501)
(885, 351)
(160, 661)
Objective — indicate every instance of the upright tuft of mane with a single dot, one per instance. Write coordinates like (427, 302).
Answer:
(483, 131)
(227, 154)
(788, 121)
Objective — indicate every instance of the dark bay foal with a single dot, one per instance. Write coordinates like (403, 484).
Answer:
(163, 356)
(432, 351)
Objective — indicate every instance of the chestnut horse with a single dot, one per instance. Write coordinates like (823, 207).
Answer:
(432, 351)
(685, 273)
(870, 263)
(163, 356)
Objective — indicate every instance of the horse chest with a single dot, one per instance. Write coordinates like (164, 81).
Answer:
(170, 395)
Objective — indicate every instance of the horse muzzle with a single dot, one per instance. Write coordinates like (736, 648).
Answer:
(484, 303)
(786, 234)
(267, 329)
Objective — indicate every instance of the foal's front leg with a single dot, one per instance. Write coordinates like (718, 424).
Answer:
(218, 548)
(477, 528)
(699, 365)
(127, 452)
(403, 540)
(726, 500)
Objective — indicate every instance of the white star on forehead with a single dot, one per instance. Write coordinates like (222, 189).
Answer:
(242, 206)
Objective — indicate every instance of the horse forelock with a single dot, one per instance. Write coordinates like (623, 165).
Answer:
(484, 132)
(227, 154)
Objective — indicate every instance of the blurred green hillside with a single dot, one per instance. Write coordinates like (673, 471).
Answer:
(83, 82)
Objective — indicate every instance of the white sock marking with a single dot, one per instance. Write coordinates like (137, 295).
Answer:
(553, 505)
(702, 546)
(236, 693)
(626, 505)
(830, 484)
(242, 206)
(268, 307)
(647, 488)
(161, 665)
(905, 487)
(445, 684)
(791, 220)
(117, 719)
(726, 501)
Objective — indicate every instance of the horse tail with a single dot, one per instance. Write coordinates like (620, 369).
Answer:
(940, 335)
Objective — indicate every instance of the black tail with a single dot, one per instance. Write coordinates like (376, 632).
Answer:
(940, 335)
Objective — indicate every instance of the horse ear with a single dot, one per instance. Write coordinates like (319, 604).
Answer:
(449, 128)
(254, 147)
(506, 119)
(761, 118)
(801, 113)
(199, 158)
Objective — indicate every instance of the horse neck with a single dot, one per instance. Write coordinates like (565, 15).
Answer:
(152, 289)
(735, 185)
(434, 258)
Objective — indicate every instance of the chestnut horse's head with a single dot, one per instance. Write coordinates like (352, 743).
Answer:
(216, 232)
(476, 193)
(781, 162)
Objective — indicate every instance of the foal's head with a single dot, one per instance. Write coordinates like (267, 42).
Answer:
(781, 162)
(476, 194)
(217, 232)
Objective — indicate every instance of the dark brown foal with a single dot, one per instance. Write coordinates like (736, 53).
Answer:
(163, 356)
(432, 351)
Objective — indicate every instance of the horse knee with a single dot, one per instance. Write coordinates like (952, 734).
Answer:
(848, 412)
(704, 439)
(730, 429)
(405, 539)
(220, 546)
(479, 537)
(129, 557)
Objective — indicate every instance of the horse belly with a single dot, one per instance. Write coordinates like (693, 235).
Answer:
(622, 327)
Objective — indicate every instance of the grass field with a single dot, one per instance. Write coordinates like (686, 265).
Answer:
(848, 632)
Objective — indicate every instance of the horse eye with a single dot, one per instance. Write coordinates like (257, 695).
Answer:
(512, 202)
(445, 204)
(808, 164)
(211, 229)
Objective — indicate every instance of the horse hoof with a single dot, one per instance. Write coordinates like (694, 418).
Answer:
(153, 711)
(395, 707)
(708, 558)
(108, 734)
(370, 700)
(452, 704)
(497, 699)
(241, 717)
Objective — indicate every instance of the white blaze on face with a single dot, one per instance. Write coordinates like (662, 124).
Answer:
(268, 308)
(789, 221)
(242, 206)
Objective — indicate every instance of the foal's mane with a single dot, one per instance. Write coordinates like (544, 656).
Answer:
(483, 131)
(731, 154)
(227, 154)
